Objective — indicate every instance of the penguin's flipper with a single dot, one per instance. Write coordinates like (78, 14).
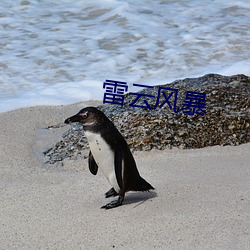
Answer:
(93, 167)
(111, 193)
(118, 166)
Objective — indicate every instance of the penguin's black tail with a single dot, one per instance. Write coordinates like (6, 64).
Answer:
(141, 185)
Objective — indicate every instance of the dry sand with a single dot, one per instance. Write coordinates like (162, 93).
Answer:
(201, 201)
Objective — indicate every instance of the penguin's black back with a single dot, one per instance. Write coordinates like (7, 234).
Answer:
(132, 181)
(131, 178)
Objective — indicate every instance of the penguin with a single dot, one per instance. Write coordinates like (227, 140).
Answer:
(110, 152)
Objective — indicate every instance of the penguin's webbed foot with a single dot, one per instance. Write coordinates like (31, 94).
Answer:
(113, 204)
(111, 193)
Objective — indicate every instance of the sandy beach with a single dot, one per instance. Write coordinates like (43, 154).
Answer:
(201, 198)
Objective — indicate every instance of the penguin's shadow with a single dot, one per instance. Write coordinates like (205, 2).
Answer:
(137, 198)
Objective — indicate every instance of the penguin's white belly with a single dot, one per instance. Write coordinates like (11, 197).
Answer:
(104, 157)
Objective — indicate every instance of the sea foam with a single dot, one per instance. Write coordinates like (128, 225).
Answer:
(55, 53)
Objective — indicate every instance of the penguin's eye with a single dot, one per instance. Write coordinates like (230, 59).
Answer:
(84, 115)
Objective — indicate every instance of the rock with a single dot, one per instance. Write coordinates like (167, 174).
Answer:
(226, 121)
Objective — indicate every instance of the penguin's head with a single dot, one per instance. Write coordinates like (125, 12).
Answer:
(88, 117)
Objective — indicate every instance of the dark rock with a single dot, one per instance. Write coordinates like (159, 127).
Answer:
(226, 121)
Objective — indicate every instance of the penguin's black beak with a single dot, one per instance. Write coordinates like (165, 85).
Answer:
(74, 118)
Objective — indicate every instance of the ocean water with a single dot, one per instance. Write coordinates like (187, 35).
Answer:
(61, 52)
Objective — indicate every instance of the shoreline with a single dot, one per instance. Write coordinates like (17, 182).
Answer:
(201, 198)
